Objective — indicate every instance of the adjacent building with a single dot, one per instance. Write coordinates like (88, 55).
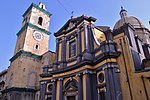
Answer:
(2, 81)
(30, 54)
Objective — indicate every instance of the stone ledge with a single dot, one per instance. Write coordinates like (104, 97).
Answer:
(21, 52)
(19, 90)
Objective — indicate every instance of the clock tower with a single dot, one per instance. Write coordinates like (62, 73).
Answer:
(32, 43)
(34, 34)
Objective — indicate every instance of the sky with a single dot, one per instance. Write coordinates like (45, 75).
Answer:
(105, 11)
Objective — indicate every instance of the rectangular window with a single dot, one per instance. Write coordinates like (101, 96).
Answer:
(72, 48)
(137, 44)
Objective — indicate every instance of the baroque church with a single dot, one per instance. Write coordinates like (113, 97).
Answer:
(90, 62)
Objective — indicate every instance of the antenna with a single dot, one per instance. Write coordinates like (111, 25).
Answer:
(121, 7)
(72, 14)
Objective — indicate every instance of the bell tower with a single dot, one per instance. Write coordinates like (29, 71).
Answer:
(31, 44)
(34, 34)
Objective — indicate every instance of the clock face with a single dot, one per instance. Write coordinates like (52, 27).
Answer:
(37, 36)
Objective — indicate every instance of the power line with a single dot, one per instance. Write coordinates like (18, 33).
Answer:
(63, 7)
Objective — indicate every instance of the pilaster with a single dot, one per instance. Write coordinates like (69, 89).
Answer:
(63, 54)
(91, 37)
(94, 84)
(61, 97)
(42, 90)
(87, 54)
(113, 89)
(79, 56)
(54, 90)
(89, 91)
(80, 87)
(56, 56)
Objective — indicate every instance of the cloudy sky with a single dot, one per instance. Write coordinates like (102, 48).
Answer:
(105, 11)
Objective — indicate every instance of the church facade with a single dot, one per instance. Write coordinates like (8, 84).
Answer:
(90, 62)
(97, 63)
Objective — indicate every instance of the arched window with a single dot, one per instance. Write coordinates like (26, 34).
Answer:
(36, 47)
(42, 7)
(40, 20)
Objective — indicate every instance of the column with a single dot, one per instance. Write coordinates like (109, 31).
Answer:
(87, 53)
(56, 57)
(88, 86)
(109, 38)
(80, 87)
(117, 83)
(42, 90)
(91, 37)
(79, 56)
(54, 90)
(113, 89)
(63, 54)
(94, 86)
(61, 96)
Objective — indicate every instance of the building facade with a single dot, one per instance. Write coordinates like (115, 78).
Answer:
(97, 63)
(31, 53)
(2, 81)
(90, 63)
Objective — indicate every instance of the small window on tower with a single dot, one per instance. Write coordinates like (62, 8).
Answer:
(40, 20)
(42, 7)
(36, 47)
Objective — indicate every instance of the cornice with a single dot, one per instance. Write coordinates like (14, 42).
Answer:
(37, 7)
(33, 26)
(21, 52)
(19, 90)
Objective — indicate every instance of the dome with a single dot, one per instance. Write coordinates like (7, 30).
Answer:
(135, 22)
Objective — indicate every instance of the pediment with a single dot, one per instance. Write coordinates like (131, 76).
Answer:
(73, 22)
(70, 26)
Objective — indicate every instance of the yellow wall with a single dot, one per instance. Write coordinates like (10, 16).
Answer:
(60, 52)
(82, 39)
(100, 36)
(131, 81)
(58, 90)
(84, 87)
